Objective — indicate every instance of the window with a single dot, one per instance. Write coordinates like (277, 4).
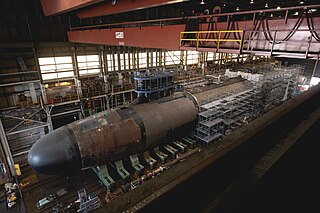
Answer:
(155, 56)
(210, 56)
(133, 61)
(115, 58)
(217, 59)
(173, 57)
(110, 62)
(88, 64)
(56, 67)
(143, 60)
(192, 57)
(124, 61)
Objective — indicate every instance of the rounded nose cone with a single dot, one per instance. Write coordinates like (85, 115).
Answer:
(56, 154)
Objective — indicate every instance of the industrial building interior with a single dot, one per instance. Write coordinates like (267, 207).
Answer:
(159, 105)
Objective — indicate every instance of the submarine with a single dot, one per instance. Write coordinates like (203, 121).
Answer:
(116, 133)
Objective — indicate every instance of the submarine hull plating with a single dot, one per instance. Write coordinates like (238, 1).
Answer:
(110, 135)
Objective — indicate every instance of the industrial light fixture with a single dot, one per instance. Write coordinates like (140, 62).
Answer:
(301, 2)
(251, 2)
(202, 2)
(266, 5)
(237, 9)
(113, 2)
(278, 8)
(312, 10)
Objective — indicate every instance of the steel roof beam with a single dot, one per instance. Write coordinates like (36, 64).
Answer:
(121, 6)
(165, 37)
(55, 7)
(168, 37)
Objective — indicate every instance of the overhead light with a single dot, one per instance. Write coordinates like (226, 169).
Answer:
(271, 15)
(296, 13)
(278, 8)
(312, 10)
(224, 5)
(301, 2)
(237, 9)
(202, 2)
(251, 2)
(113, 2)
(266, 5)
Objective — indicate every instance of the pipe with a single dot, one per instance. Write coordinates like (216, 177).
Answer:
(17, 83)
(7, 151)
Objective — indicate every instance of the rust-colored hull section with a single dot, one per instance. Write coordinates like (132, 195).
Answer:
(107, 136)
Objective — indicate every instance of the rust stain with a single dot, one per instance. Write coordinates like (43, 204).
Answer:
(105, 141)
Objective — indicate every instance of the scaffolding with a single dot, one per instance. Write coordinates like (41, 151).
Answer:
(89, 202)
(155, 81)
(217, 117)
(190, 83)
(20, 130)
(228, 111)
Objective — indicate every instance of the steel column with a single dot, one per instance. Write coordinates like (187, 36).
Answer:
(7, 150)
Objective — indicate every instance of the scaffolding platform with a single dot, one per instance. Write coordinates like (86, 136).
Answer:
(212, 123)
(210, 139)
(153, 81)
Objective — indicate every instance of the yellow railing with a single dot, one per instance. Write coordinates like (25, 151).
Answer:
(212, 36)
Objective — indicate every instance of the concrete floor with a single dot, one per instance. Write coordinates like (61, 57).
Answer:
(87, 179)
(293, 183)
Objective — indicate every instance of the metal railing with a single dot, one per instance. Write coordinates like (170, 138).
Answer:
(213, 39)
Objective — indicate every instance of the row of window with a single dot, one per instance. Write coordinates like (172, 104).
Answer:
(63, 67)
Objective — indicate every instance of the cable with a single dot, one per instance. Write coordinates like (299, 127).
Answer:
(311, 28)
(256, 27)
(207, 34)
(227, 35)
(191, 25)
(236, 35)
(268, 36)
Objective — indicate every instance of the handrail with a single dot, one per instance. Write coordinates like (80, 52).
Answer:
(215, 33)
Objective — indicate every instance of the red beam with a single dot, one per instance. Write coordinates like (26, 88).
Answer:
(55, 7)
(166, 37)
(121, 6)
